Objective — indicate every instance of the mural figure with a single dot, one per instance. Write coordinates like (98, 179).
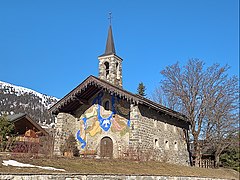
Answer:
(96, 119)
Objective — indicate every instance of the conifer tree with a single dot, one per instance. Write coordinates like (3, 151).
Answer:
(6, 131)
(6, 127)
(141, 89)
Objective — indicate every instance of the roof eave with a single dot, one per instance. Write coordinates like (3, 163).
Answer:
(108, 87)
(101, 84)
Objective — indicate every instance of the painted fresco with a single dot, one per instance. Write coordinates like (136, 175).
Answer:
(96, 119)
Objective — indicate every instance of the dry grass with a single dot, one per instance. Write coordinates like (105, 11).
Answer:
(126, 167)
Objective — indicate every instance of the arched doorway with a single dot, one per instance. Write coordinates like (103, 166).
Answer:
(106, 147)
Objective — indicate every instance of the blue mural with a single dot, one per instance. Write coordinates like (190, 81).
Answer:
(129, 123)
(83, 143)
(105, 123)
(99, 122)
(85, 122)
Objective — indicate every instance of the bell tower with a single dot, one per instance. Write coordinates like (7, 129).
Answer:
(110, 65)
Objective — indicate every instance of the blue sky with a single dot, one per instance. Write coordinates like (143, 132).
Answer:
(52, 46)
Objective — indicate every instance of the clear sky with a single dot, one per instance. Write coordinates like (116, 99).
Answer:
(51, 46)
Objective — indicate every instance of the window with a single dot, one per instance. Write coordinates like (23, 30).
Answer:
(175, 146)
(107, 105)
(156, 143)
(166, 145)
(106, 69)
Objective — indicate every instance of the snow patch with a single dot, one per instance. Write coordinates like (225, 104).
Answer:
(18, 164)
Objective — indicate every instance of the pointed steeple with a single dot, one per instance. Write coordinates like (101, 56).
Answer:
(110, 65)
(110, 48)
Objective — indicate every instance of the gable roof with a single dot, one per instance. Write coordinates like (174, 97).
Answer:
(92, 85)
(15, 117)
(18, 117)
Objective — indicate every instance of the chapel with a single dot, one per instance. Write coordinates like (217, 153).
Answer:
(111, 122)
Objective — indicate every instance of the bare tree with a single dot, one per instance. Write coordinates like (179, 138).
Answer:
(223, 117)
(170, 101)
(194, 89)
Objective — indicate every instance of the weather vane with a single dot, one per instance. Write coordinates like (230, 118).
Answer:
(110, 17)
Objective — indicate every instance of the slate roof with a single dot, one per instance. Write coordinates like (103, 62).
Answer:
(92, 85)
(110, 48)
(15, 117)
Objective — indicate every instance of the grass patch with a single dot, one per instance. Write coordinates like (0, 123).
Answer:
(116, 166)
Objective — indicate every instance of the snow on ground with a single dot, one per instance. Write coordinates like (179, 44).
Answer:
(18, 164)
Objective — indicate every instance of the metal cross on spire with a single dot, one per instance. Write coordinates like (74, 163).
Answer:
(110, 18)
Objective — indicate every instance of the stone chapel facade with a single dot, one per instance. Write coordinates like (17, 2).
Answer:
(114, 123)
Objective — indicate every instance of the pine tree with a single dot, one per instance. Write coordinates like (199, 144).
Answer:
(141, 89)
(6, 127)
(6, 131)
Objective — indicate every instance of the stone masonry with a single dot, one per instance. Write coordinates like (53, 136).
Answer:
(150, 135)
(66, 125)
(114, 72)
(92, 177)
(158, 137)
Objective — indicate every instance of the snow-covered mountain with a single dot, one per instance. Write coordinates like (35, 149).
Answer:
(16, 99)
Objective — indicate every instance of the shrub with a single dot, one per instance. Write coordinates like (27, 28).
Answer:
(70, 146)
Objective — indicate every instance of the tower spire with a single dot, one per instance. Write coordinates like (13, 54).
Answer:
(110, 65)
(110, 48)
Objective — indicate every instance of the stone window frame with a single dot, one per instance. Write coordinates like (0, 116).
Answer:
(106, 69)
(175, 146)
(166, 144)
(156, 143)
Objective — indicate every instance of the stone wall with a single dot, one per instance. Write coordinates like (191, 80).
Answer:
(159, 137)
(115, 69)
(66, 125)
(135, 130)
(92, 177)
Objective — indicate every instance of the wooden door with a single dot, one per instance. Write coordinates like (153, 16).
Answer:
(106, 147)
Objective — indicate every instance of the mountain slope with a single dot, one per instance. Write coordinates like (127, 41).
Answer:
(17, 99)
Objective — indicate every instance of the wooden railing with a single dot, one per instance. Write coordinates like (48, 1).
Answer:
(204, 163)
